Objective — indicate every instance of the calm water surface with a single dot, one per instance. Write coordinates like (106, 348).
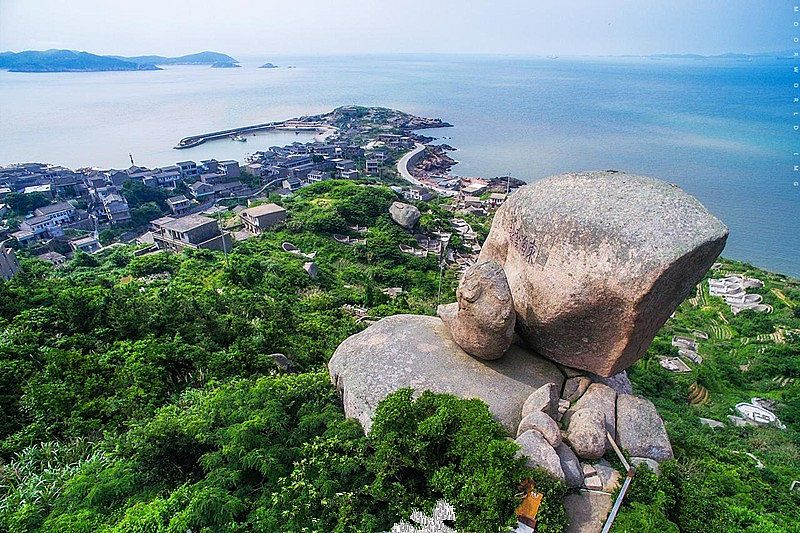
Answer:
(721, 130)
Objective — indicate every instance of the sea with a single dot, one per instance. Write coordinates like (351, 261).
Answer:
(722, 129)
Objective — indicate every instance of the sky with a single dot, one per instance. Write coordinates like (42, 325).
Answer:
(308, 27)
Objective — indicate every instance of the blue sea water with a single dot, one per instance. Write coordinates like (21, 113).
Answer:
(721, 129)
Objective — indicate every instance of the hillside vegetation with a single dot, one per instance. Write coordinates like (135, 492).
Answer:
(140, 393)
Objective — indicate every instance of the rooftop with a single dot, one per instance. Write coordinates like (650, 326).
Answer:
(264, 209)
(187, 223)
(53, 208)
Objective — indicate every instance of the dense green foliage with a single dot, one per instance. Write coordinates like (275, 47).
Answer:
(713, 485)
(138, 393)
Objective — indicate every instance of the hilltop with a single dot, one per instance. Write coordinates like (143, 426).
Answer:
(73, 61)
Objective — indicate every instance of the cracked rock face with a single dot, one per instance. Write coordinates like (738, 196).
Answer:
(482, 320)
(404, 214)
(597, 262)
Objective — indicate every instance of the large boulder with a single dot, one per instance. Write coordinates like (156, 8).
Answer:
(597, 262)
(640, 431)
(482, 320)
(418, 352)
(404, 214)
(539, 453)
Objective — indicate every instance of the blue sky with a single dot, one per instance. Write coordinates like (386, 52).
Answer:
(262, 27)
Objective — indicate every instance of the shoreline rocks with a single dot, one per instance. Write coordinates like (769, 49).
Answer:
(597, 262)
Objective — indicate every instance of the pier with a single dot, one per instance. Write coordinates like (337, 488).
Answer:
(287, 125)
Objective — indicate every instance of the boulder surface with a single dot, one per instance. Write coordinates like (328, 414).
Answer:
(640, 431)
(544, 399)
(404, 214)
(482, 320)
(539, 453)
(539, 421)
(597, 262)
(418, 352)
(587, 434)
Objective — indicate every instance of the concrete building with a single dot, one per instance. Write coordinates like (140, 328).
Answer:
(54, 258)
(372, 166)
(179, 204)
(192, 231)
(230, 168)
(351, 174)
(316, 176)
(8, 262)
(200, 190)
(86, 244)
(188, 169)
(257, 219)
(115, 208)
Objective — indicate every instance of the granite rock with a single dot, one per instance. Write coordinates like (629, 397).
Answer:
(639, 461)
(482, 320)
(587, 434)
(597, 262)
(418, 352)
(570, 465)
(544, 399)
(587, 511)
(539, 453)
(600, 398)
(574, 387)
(404, 214)
(640, 431)
(539, 421)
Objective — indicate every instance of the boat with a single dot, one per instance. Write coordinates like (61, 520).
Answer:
(239, 138)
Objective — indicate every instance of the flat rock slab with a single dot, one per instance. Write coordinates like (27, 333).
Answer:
(587, 511)
(597, 262)
(418, 352)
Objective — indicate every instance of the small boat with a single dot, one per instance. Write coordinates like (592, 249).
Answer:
(238, 138)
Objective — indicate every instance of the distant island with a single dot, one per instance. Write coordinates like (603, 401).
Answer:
(268, 65)
(73, 61)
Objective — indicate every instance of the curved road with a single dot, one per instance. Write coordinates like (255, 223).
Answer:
(405, 173)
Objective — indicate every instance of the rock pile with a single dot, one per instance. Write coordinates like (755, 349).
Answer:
(586, 267)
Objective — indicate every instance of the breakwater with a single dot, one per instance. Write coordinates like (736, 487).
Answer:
(288, 125)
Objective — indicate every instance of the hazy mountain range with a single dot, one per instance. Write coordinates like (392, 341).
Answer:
(72, 61)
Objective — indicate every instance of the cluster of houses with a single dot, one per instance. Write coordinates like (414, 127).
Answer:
(86, 200)
(298, 164)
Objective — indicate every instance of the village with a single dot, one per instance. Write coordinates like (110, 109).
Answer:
(55, 212)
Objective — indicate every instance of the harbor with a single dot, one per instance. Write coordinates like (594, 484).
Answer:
(238, 134)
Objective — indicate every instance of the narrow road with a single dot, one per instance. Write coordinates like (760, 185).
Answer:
(403, 169)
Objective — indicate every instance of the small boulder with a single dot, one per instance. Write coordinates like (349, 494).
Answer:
(587, 434)
(544, 399)
(600, 398)
(283, 362)
(609, 477)
(539, 453)
(640, 461)
(574, 387)
(710, 422)
(640, 431)
(482, 320)
(593, 482)
(597, 262)
(404, 214)
(542, 423)
(311, 269)
(573, 474)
